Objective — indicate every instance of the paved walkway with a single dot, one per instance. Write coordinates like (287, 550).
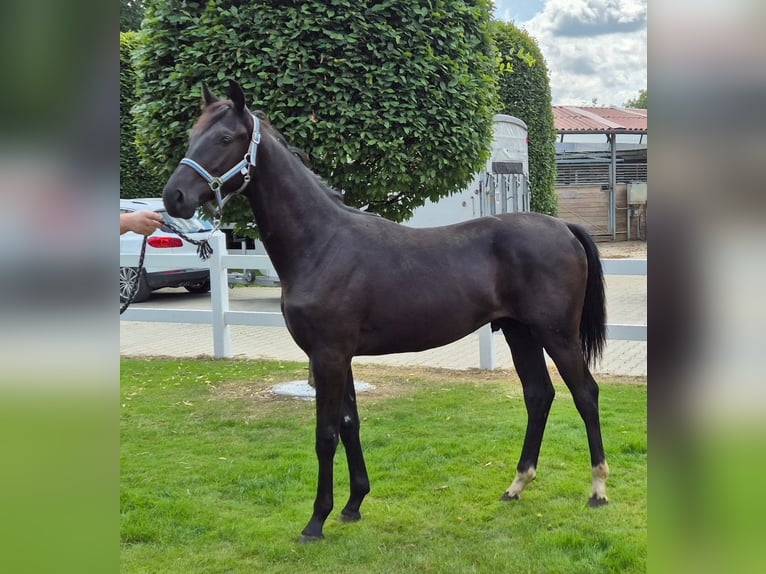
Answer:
(626, 303)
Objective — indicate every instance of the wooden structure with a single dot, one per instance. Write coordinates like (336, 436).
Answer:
(603, 185)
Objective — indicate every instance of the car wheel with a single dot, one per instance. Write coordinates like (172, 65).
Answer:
(128, 276)
(203, 287)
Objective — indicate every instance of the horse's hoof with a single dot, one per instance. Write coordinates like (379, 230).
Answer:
(507, 496)
(305, 538)
(349, 516)
(595, 502)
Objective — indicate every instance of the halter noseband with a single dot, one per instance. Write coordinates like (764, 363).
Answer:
(243, 167)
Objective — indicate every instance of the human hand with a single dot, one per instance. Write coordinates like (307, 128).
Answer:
(142, 222)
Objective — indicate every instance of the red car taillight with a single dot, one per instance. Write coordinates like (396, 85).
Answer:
(160, 242)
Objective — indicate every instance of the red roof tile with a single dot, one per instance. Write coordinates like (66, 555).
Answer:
(571, 119)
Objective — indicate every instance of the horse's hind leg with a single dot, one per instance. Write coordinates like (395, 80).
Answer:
(349, 434)
(567, 354)
(529, 361)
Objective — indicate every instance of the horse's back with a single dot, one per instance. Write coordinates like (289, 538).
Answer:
(516, 251)
(531, 240)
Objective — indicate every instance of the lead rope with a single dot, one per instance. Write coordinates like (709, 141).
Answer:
(136, 279)
(204, 251)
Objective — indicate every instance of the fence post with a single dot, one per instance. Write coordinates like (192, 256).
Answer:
(219, 296)
(487, 355)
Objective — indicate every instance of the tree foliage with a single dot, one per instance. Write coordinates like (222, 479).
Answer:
(392, 100)
(526, 94)
(131, 14)
(135, 181)
(638, 102)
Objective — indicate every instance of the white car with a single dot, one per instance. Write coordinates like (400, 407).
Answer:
(194, 280)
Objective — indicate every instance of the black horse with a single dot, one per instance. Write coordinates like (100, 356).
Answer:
(357, 284)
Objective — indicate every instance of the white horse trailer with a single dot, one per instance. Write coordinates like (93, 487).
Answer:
(501, 187)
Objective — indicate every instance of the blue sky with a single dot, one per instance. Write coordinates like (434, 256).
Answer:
(593, 48)
(517, 11)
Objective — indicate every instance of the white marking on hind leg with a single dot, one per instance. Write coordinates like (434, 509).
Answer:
(522, 479)
(600, 474)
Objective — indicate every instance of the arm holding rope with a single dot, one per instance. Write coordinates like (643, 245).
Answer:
(141, 222)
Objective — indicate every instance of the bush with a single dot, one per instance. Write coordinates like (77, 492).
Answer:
(135, 180)
(393, 101)
(525, 93)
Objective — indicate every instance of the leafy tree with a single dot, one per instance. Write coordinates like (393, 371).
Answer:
(525, 93)
(135, 180)
(131, 14)
(392, 100)
(638, 102)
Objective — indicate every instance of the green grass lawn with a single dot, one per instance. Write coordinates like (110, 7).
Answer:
(217, 475)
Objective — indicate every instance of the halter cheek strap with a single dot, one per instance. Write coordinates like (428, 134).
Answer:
(243, 168)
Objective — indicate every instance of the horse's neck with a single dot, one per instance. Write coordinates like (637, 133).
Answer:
(291, 210)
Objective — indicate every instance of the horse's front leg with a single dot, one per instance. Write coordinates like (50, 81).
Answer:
(357, 470)
(330, 374)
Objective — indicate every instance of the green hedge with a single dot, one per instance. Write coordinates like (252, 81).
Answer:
(135, 180)
(392, 100)
(526, 94)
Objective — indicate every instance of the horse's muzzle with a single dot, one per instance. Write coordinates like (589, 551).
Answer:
(177, 202)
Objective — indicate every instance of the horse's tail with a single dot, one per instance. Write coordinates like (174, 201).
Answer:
(593, 319)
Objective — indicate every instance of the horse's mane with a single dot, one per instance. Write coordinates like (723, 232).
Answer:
(301, 154)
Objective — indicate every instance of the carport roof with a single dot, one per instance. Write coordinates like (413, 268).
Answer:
(593, 120)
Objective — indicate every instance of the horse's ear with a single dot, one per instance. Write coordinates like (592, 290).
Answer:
(207, 96)
(237, 96)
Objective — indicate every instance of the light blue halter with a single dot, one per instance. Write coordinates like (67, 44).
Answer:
(243, 167)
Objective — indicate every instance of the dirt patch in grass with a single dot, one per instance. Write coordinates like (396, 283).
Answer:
(233, 390)
(389, 382)
(404, 375)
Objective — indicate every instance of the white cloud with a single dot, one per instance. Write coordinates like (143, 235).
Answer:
(593, 48)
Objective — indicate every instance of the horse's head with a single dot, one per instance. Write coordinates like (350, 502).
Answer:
(220, 156)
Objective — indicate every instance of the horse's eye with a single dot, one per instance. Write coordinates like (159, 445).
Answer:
(226, 139)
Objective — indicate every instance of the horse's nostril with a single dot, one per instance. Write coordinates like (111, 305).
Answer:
(179, 196)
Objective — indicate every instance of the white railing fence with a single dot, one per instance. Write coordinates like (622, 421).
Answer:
(222, 318)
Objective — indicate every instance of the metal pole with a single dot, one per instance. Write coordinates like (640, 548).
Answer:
(503, 193)
(613, 186)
